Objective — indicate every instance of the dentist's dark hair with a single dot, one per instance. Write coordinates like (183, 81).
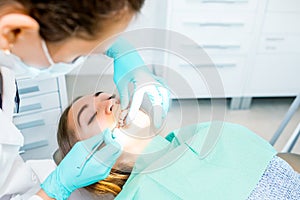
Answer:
(61, 19)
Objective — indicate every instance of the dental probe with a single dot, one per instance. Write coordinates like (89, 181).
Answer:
(120, 123)
(90, 154)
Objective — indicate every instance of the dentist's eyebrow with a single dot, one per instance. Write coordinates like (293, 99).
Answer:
(80, 112)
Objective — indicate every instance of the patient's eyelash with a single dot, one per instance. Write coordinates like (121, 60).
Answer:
(92, 118)
(111, 97)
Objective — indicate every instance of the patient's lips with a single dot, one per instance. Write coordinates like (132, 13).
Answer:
(118, 113)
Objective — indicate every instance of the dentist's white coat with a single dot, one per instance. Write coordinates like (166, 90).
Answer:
(18, 180)
(16, 177)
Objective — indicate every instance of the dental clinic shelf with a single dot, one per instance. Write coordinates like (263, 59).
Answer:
(42, 102)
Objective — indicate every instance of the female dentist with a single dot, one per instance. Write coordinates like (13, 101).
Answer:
(52, 36)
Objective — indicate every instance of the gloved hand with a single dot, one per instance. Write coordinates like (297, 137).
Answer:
(75, 171)
(130, 68)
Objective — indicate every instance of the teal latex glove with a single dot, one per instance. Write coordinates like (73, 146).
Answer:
(76, 172)
(130, 68)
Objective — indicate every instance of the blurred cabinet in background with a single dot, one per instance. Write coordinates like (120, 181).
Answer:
(224, 30)
(40, 107)
(254, 45)
(277, 60)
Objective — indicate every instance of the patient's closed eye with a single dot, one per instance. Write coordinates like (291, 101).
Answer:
(92, 118)
(112, 97)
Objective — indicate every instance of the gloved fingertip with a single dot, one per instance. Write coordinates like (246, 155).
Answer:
(109, 140)
(124, 104)
(108, 156)
(165, 113)
(107, 134)
(124, 97)
(158, 123)
(128, 119)
(110, 153)
(158, 116)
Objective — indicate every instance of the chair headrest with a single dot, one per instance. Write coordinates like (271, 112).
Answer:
(57, 156)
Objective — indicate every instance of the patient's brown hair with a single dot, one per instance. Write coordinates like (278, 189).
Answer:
(113, 184)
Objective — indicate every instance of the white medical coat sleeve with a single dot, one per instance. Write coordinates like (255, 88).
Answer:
(15, 176)
(9, 91)
(35, 197)
(37, 171)
(10, 137)
(9, 134)
(21, 180)
(10, 141)
(8, 154)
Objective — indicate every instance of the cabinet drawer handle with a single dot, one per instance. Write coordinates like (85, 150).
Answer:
(274, 39)
(21, 152)
(29, 90)
(225, 65)
(213, 46)
(224, 1)
(215, 24)
(221, 46)
(33, 145)
(31, 124)
(220, 65)
(30, 107)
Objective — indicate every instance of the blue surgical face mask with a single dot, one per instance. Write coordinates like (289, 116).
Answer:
(23, 70)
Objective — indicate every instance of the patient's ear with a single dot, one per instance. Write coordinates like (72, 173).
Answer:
(15, 27)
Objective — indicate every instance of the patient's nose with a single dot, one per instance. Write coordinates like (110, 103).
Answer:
(110, 104)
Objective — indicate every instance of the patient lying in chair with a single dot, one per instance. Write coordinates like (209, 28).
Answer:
(240, 166)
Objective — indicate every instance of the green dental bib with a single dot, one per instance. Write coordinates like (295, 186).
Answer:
(230, 171)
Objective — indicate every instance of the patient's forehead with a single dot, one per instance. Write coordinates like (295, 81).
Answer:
(88, 100)
(82, 110)
(79, 102)
(75, 108)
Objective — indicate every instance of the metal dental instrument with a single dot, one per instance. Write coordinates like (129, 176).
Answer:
(90, 155)
(120, 123)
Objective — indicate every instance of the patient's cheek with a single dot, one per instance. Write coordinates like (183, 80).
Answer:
(95, 128)
(108, 122)
(89, 131)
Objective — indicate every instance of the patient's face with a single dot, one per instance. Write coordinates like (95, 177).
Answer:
(92, 114)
